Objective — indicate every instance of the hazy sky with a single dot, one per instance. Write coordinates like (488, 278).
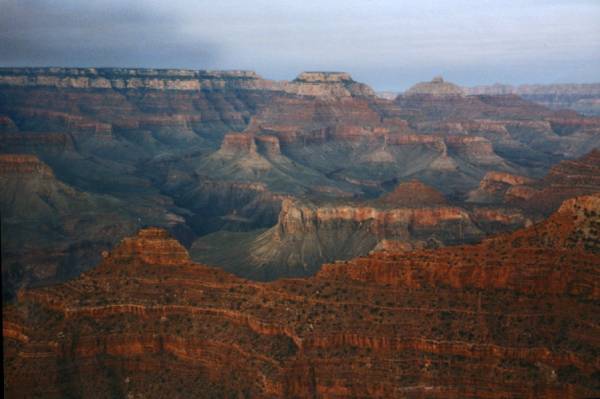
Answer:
(389, 44)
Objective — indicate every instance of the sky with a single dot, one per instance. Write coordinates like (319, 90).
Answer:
(388, 44)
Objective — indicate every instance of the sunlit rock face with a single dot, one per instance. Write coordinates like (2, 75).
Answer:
(148, 322)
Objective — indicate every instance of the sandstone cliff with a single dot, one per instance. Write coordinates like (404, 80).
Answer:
(513, 317)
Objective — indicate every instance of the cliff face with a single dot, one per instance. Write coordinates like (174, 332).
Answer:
(508, 318)
(308, 234)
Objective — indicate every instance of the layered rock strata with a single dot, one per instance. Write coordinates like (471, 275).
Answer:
(513, 317)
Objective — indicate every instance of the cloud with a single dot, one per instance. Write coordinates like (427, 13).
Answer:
(95, 33)
(387, 43)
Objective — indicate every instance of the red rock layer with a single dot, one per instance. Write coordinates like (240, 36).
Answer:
(565, 180)
(413, 194)
(23, 164)
(514, 317)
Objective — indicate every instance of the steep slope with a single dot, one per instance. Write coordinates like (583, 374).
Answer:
(514, 317)
(51, 231)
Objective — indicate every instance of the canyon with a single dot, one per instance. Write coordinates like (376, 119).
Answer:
(227, 162)
(515, 316)
(188, 233)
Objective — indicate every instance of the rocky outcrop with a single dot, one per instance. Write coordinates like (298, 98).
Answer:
(209, 153)
(437, 88)
(151, 246)
(238, 143)
(23, 164)
(327, 84)
(494, 186)
(509, 318)
(269, 145)
(413, 194)
(308, 234)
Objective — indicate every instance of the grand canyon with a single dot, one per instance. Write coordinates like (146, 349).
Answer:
(190, 233)
(300, 199)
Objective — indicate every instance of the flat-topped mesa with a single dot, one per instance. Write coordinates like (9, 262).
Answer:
(328, 84)
(151, 246)
(134, 78)
(437, 87)
(324, 77)
(413, 194)
(299, 217)
(23, 164)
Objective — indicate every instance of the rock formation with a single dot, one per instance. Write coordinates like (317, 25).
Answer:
(513, 317)
(494, 185)
(309, 234)
(436, 88)
(565, 180)
(212, 154)
(413, 194)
